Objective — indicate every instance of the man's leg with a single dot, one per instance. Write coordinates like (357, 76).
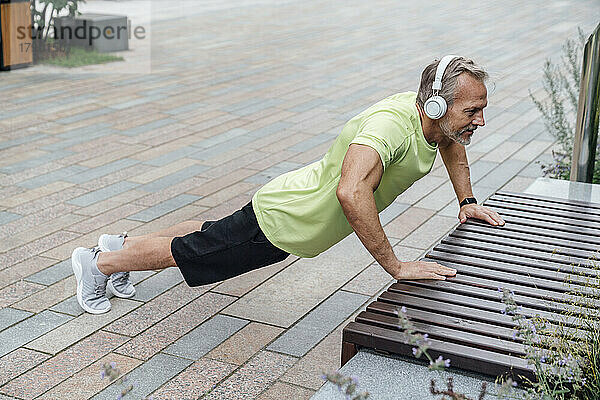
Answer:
(138, 254)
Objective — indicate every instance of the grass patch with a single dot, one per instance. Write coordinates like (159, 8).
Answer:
(79, 57)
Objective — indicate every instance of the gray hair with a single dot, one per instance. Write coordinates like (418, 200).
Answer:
(449, 80)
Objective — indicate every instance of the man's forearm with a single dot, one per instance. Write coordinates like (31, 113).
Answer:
(361, 212)
(457, 165)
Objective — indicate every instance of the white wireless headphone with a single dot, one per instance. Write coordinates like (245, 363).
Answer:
(435, 106)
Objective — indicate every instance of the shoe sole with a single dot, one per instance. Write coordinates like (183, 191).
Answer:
(109, 284)
(77, 269)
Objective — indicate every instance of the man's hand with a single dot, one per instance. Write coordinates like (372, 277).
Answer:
(423, 270)
(479, 212)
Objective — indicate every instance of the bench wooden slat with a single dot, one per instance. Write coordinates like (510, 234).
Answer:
(546, 254)
(546, 204)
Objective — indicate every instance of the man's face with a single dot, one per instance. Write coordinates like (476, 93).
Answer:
(466, 113)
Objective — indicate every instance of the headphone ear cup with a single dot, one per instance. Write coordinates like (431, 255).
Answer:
(435, 107)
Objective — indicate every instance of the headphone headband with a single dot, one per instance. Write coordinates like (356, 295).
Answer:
(439, 73)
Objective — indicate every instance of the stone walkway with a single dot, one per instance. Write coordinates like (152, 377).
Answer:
(235, 97)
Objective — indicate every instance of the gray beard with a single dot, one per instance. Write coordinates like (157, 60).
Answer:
(455, 135)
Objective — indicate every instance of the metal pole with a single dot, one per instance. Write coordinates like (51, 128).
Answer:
(586, 133)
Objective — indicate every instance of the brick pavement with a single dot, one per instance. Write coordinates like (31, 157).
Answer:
(235, 97)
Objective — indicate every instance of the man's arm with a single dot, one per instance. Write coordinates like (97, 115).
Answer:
(361, 173)
(454, 156)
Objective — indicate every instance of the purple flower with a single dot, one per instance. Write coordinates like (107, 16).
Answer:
(447, 363)
(425, 336)
(102, 374)
(113, 364)
(514, 384)
(403, 309)
(414, 350)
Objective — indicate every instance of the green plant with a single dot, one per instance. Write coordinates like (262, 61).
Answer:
(44, 22)
(566, 361)
(561, 84)
(111, 372)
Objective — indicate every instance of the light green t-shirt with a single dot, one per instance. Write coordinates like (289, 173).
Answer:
(299, 211)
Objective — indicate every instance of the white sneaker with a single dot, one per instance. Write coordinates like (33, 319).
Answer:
(119, 283)
(91, 287)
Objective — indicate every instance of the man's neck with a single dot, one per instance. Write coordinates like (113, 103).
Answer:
(431, 130)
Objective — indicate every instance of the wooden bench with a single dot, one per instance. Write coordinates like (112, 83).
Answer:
(532, 255)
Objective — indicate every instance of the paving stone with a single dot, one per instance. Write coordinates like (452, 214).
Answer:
(68, 306)
(58, 175)
(155, 310)
(507, 148)
(147, 377)
(164, 208)
(317, 324)
(314, 141)
(167, 331)
(205, 337)
(391, 212)
(6, 217)
(242, 284)
(286, 297)
(173, 178)
(36, 161)
(254, 377)
(518, 184)
(242, 345)
(480, 168)
(147, 127)
(406, 222)
(420, 189)
(10, 316)
(281, 390)
(273, 172)
(23, 269)
(531, 150)
(489, 143)
(42, 230)
(430, 232)
(19, 361)
(78, 328)
(58, 368)
(172, 156)
(529, 132)
(103, 194)
(48, 296)
(15, 142)
(502, 173)
(196, 380)
(325, 357)
(93, 173)
(34, 194)
(221, 148)
(85, 383)
(438, 199)
(52, 274)
(148, 98)
(150, 174)
(26, 331)
(158, 283)
(17, 291)
(185, 108)
(85, 115)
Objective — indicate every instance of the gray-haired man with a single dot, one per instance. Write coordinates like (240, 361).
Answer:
(379, 154)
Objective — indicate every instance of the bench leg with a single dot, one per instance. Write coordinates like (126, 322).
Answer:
(348, 351)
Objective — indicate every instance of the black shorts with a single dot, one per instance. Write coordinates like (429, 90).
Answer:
(223, 249)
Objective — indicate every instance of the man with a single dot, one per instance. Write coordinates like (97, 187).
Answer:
(378, 155)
